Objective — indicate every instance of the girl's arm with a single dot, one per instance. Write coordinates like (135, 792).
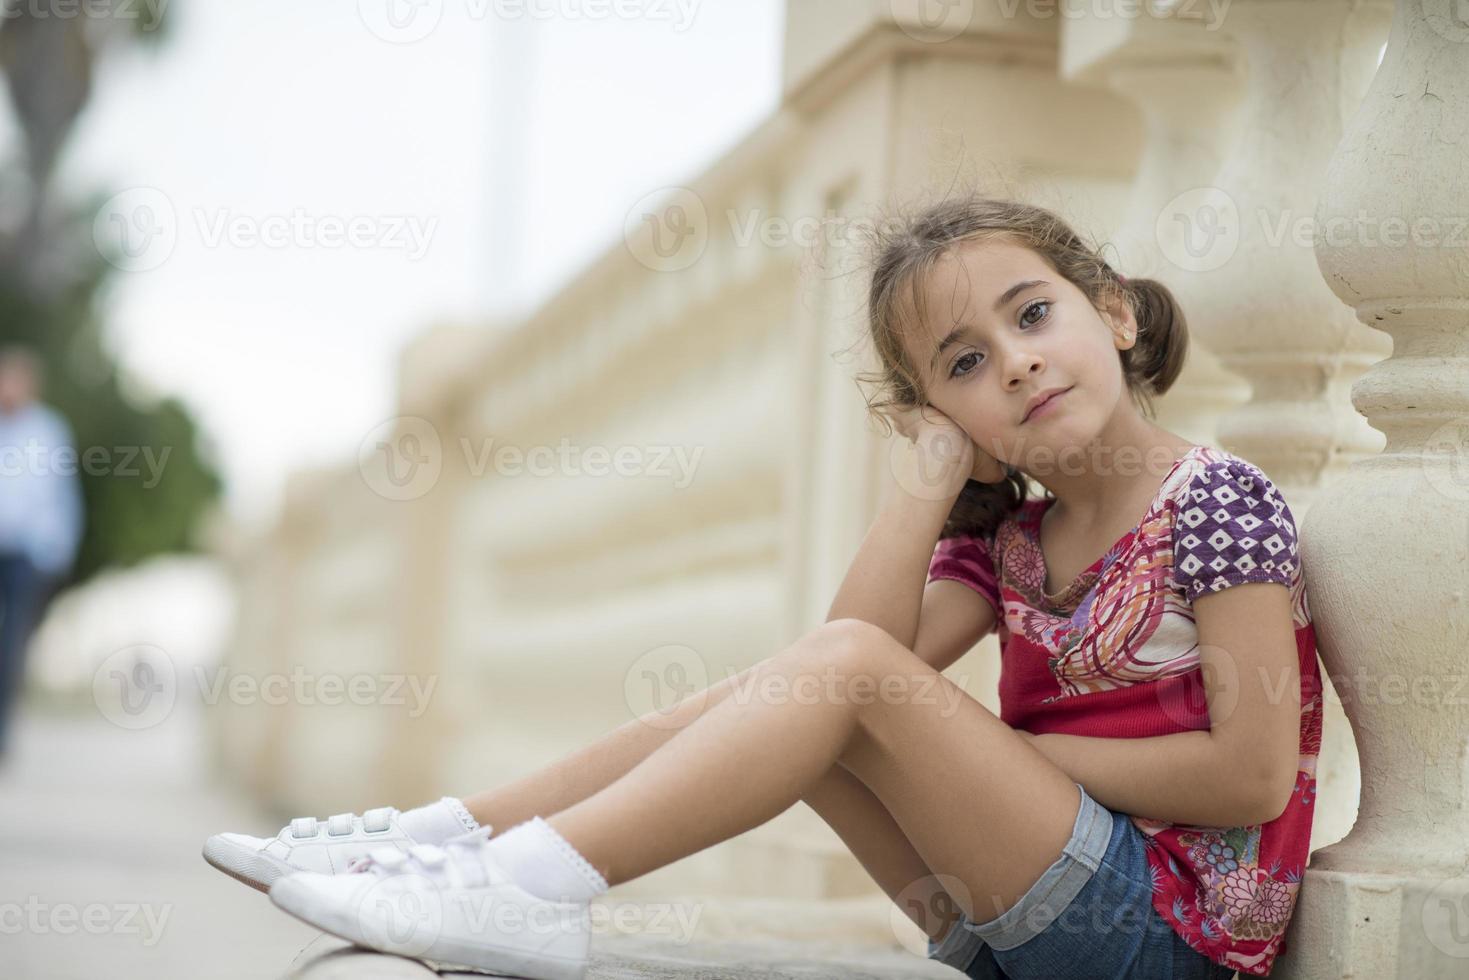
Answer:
(884, 586)
(1240, 771)
(1176, 778)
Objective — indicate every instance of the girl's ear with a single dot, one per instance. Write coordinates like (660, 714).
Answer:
(1119, 319)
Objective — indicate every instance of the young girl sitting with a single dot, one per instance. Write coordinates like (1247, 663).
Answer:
(1142, 805)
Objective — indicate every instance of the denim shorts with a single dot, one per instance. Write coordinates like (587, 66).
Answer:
(1089, 916)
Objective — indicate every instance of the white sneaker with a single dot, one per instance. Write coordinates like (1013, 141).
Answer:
(453, 906)
(306, 844)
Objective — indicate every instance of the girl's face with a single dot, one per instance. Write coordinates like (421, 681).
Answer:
(1020, 329)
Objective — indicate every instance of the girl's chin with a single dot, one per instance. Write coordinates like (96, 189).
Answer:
(1041, 455)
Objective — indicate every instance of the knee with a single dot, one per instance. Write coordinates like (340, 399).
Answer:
(852, 643)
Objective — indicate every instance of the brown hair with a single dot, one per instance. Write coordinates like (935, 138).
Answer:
(905, 250)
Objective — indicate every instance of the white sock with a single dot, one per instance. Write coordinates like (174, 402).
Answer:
(434, 823)
(545, 864)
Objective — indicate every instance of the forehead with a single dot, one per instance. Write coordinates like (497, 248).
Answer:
(962, 286)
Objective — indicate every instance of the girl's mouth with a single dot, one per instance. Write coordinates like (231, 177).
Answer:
(1047, 406)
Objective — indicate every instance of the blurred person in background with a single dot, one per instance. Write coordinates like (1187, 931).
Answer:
(40, 514)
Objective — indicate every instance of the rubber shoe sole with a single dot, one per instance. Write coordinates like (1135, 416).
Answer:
(245, 864)
(368, 910)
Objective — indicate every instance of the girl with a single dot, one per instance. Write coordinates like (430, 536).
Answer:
(1142, 805)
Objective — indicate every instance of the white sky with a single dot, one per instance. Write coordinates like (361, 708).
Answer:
(286, 352)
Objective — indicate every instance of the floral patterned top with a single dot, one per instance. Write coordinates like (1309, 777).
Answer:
(1116, 655)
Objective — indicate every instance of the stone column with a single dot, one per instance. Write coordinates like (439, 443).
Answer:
(1387, 544)
(1187, 113)
(1258, 300)
(1183, 76)
(1241, 244)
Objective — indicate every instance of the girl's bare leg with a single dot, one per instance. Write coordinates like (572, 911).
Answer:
(977, 800)
(578, 775)
(678, 800)
(840, 798)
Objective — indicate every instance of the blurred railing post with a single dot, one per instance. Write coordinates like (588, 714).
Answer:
(1183, 76)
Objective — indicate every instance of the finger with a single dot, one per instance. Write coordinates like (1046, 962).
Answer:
(905, 420)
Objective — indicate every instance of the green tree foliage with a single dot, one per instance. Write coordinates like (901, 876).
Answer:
(53, 285)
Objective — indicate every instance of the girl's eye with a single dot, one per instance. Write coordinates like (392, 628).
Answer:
(956, 373)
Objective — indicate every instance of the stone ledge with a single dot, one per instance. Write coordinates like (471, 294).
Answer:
(622, 957)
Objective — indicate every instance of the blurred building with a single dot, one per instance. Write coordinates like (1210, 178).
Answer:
(728, 326)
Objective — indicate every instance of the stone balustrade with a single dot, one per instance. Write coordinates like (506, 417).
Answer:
(550, 607)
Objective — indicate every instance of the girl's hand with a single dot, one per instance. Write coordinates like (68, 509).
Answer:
(948, 457)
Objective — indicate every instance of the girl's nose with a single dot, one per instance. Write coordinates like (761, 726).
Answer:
(1020, 363)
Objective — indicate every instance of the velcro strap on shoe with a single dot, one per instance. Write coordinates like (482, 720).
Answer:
(378, 820)
(303, 827)
(388, 857)
(339, 825)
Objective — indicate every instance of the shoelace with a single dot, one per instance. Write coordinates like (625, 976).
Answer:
(455, 861)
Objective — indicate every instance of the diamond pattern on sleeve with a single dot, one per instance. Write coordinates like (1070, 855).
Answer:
(966, 558)
(1233, 527)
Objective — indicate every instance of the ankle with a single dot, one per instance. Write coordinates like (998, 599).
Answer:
(546, 864)
(434, 823)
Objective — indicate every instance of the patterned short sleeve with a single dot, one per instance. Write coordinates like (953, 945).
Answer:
(966, 558)
(1233, 527)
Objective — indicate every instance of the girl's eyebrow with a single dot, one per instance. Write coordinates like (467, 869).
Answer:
(1005, 297)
